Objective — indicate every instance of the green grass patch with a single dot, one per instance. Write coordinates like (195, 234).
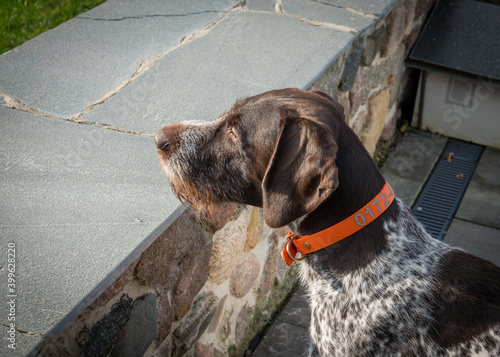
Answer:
(21, 20)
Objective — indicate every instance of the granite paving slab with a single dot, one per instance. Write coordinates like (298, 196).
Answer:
(411, 163)
(481, 202)
(334, 15)
(267, 51)
(119, 9)
(376, 8)
(477, 239)
(23, 343)
(65, 70)
(297, 310)
(283, 339)
(79, 202)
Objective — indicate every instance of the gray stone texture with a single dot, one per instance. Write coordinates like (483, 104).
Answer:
(277, 341)
(244, 276)
(175, 263)
(184, 85)
(352, 63)
(271, 267)
(101, 337)
(140, 329)
(76, 200)
(24, 343)
(193, 326)
(481, 203)
(137, 9)
(373, 44)
(297, 310)
(228, 247)
(82, 60)
(325, 13)
(376, 8)
(477, 239)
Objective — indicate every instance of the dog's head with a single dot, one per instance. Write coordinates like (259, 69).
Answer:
(275, 150)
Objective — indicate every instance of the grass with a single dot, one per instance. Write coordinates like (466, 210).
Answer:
(21, 20)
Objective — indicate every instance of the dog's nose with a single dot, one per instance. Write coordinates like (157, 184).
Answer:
(161, 139)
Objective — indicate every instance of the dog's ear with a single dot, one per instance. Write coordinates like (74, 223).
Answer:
(302, 172)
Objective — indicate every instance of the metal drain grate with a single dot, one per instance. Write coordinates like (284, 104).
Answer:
(443, 190)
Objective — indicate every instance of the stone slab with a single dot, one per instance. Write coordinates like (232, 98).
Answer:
(481, 202)
(118, 9)
(376, 8)
(79, 62)
(297, 310)
(328, 14)
(23, 343)
(283, 340)
(406, 189)
(414, 156)
(267, 51)
(476, 239)
(77, 201)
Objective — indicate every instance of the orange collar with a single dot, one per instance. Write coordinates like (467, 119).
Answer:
(355, 222)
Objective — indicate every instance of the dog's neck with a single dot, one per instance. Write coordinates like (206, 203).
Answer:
(359, 182)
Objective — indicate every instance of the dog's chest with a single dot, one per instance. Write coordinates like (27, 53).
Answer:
(373, 309)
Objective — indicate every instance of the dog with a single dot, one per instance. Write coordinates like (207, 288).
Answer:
(384, 287)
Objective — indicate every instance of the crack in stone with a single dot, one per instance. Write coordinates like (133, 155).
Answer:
(24, 332)
(354, 11)
(16, 104)
(151, 61)
(149, 16)
(324, 24)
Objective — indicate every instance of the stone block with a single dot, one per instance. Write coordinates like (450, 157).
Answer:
(140, 329)
(386, 71)
(244, 276)
(373, 43)
(330, 79)
(352, 63)
(360, 123)
(173, 253)
(390, 125)
(195, 324)
(69, 84)
(410, 6)
(165, 318)
(423, 8)
(270, 267)
(218, 313)
(242, 321)
(396, 26)
(254, 228)
(376, 8)
(190, 281)
(205, 350)
(318, 12)
(228, 247)
(377, 114)
(101, 337)
(357, 93)
(222, 214)
(287, 58)
(113, 290)
(164, 349)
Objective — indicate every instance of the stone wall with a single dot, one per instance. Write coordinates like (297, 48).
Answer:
(197, 293)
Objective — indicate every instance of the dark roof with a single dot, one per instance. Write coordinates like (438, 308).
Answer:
(460, 37)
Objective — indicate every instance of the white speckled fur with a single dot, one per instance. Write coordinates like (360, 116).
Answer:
(391, 294)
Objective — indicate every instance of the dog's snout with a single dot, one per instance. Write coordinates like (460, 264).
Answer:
(162, 138)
